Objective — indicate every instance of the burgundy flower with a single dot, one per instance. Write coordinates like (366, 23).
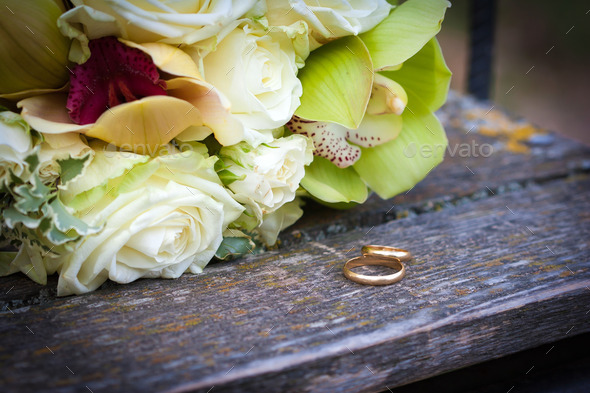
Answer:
(114, 74)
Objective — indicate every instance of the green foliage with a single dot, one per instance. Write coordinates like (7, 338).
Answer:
(232, 247)
(34, 214)
(70, 168)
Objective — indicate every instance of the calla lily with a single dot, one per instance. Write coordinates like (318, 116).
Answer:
(152, 116)
(33, 53)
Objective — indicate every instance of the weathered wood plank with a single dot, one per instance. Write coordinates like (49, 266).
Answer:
(481, 285)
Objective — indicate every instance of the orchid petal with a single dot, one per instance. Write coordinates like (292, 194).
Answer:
(168, 59)
(144, 125)
(426, 75)
(337, 80)
(406, 30)
(398, 165)
(331, 184)
(214, 108)
(329, 140)
(387, 96)
(33, 53)
(376, 130)
(48, 114)
(194, 133)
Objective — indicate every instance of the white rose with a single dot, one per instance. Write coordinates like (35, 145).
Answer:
(141, 21)
(15, 145)
(59, 147)
(329, 19)
(271, 172)
(257, 71)
(273, 223)
(161, 218)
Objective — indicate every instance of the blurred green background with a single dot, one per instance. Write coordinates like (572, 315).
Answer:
(555, 94)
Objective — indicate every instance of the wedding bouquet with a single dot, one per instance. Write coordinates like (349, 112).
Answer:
(142, 139)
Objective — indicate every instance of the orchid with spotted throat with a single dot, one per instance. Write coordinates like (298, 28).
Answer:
(382, 122)
(367, 98)
(119, 97)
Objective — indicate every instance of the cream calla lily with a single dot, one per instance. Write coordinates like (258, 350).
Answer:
(150, 122)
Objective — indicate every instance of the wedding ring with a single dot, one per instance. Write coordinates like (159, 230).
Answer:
(372, 260)
(399, 253)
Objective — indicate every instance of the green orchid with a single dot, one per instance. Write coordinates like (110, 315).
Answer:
(368, 103)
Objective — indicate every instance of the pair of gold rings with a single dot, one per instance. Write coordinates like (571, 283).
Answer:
(374, 255)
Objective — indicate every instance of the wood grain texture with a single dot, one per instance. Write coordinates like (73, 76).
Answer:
(489, 278)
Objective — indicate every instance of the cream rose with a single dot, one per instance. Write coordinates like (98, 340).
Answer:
(141, 21)
(271, 172)
(257, 71)
(273, 223)
(161, 217)
(328, 19)
(15, 145)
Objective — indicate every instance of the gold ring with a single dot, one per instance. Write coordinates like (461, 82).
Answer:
(371, 260)
(384, 251)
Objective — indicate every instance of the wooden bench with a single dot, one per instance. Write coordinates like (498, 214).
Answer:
(502, 264)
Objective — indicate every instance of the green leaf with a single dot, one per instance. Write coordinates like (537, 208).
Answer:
(65, 222)
(71, 167)
(33, 161)
(233, 246)
(12, 217)
(28, 202)
(57, 237)
(398, 165)
(227, 177)
(337, 80)
(426, 75)
(406, 30)
(331, 184)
